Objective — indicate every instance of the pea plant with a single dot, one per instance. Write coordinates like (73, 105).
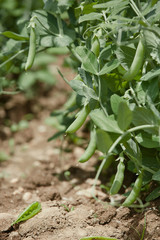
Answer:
(114, 46)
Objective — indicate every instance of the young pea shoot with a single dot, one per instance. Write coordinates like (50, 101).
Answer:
(28, 213)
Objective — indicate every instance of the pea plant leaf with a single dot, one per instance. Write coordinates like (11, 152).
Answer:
(87, 79)
(90, 17)
(109, 66)
(83, 90)
(144, 116)
(156, 176)
(88, 59)
(148, 140)
(14, 36)
(62, 40)
(103, 122)
(125, 55)
(104, 141)
(133, 151)
(124, 117)
(153, 195)
(56, 5)
(45, 22)
(151, 74)
(115, 101)
(153, 45)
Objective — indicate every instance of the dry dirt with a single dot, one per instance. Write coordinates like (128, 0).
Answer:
(36, 171)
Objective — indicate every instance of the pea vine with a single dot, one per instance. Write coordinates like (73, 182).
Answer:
(114, 47)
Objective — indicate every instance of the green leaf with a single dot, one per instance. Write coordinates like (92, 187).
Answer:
(151, 74)
(106, 53)
(156, 176)
(89, 93)
(86, 77)
(45, 76)
(115, 101)
(90, 17)
(88, 59)
(148, 140)
(152, 45)
(133, 151)
(144, 116)
(153, 195)
(149, 159)
(125, 55)
(14, 36)
(47, 41)
(104, 141)
(46, 23)
(62, 41)
(27, 80)
(115, 83)
(141, 93)
(77, 86)
(64, 5)
(103, 122)
(108, 67)
(83, 90)
(109, 4)
(29, 212)
(124, 118)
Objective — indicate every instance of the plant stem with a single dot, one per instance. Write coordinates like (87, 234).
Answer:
(60, 25)
(118, 140)
(14, 56)
(99, 95)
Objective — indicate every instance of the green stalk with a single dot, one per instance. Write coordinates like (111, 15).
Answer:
(60, 25)
(118, 140)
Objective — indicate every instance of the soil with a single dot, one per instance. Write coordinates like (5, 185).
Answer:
(48, 172)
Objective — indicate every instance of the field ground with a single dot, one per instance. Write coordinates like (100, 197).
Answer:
(48, 172)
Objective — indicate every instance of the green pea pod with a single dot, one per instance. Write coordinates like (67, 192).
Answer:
(95, 46)
(78, 122)
(135, 191)
(32, 46)
(137, 62)
(28, 213)
(90, 149)
(118, 180)
(98, 238)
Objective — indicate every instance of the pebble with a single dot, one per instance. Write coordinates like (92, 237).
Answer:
(27, 196)
(5, 221)
(91, 181)
(78, 152)
(18, 191)
(89, 193)
(14, 180)
(14, 236)
(42, 129)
